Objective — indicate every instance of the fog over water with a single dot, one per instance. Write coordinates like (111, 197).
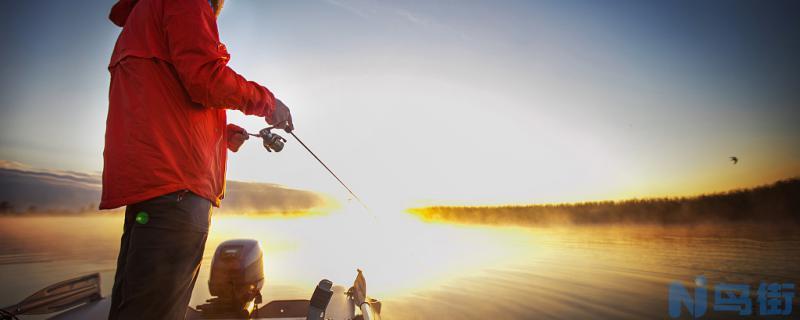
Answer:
(424, 270)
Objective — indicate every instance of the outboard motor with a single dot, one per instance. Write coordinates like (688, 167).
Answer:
(237, 276)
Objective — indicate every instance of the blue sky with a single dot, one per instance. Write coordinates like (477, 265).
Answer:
(456, 101)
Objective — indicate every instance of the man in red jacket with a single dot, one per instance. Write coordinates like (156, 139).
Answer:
(165, 147)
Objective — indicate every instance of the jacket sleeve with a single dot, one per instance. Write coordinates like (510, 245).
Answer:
(201, 61)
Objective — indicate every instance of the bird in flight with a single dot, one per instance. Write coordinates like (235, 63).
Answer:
(735, 160)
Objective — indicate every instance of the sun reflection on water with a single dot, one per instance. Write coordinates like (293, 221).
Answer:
(435, 269)
(397, 252)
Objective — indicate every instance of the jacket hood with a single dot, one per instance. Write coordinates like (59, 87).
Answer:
(121, 10)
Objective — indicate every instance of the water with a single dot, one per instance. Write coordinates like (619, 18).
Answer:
(435, 270)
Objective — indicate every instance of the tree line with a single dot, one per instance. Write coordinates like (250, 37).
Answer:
(777, 203)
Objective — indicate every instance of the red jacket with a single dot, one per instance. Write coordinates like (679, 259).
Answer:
(170, 86)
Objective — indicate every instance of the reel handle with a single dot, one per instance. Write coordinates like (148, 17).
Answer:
(271, 141)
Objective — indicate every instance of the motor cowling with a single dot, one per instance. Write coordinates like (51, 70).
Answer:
(237, 271)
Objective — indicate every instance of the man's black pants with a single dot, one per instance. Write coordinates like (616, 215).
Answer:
(159, 257)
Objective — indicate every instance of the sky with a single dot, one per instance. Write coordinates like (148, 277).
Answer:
(455, 102)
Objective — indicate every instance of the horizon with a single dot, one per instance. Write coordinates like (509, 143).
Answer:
(245, 196)
(468, 159)
(415, 103)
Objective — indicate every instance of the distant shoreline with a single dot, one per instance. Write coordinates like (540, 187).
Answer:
(777, 203)
(121, 211)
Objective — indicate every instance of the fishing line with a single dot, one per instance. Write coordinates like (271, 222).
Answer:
(274, 142)
(331, 171)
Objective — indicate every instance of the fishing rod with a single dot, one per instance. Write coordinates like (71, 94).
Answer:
(274, 142)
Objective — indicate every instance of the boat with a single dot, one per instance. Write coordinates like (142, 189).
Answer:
(235, 283)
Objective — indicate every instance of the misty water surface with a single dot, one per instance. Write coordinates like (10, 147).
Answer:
(434, 270)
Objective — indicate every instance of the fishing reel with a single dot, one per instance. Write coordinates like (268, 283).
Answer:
(272, 141)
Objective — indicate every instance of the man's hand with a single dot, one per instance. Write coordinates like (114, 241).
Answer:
(281, 118)
(236, 137)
